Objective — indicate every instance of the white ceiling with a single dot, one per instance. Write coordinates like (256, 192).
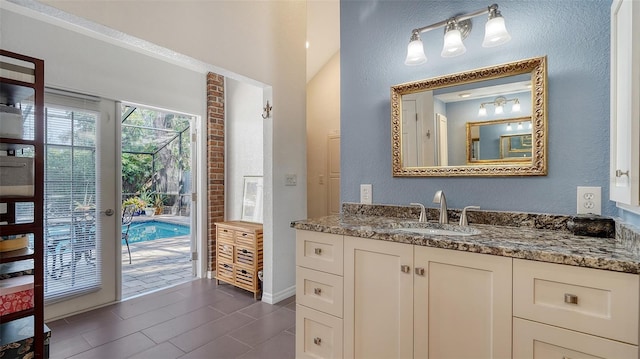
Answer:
(323, 33)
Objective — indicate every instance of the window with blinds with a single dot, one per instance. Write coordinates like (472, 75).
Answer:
(72, 241)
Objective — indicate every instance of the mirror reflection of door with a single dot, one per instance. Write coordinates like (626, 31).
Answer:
(418, 128)
(443, 153)
(334, 173)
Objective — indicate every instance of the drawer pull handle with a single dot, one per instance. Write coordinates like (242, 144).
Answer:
(244, 271)
(419, 271)
(244, 234)
(244, 251)
(570, 298)
(317, 341)
(317, 291)
(405, 268)
(318, 251)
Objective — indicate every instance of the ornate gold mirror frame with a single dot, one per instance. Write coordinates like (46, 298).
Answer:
(536, 67)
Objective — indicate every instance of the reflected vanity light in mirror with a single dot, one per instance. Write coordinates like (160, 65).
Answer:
(456, 29)
(428, 120)
(499, 103)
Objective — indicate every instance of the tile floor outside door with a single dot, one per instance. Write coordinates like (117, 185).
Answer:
(197, 319)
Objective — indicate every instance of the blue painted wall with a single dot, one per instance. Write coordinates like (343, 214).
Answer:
(573, 34)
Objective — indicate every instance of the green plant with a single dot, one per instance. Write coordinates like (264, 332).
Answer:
(136, 201)
(147, 197)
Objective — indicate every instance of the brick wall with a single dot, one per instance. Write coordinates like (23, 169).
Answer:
(215, 161)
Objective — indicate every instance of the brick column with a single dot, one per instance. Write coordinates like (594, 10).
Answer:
(215, 161)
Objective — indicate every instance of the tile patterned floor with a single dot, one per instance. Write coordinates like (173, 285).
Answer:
(155, 264)
(197, 319)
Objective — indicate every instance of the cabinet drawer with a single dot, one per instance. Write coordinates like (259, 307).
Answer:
(245, 278)
(319, 290)
(249, 257)
(225, 252)
(245, 238)
(318, 335)
(225, 235)
(536, 340)
(225, 271)
(598, 302)
(321, 251)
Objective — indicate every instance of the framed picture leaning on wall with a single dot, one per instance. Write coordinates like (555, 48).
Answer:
(252, 199)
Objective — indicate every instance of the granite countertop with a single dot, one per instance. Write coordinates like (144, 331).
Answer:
(553, 246)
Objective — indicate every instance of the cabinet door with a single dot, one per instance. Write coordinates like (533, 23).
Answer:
(462, 304)
(535, 340)
(625, 102)
(378, 299)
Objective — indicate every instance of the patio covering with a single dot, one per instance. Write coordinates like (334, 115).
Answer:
(156, 152)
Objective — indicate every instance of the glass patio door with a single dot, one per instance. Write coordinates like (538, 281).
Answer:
(80, 220)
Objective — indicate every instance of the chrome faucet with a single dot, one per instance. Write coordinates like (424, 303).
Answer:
(423, 213)
(439, 198)
(463, 215)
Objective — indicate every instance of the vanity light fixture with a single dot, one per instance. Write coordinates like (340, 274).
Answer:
(457, 28)
(516, 106)
(482, 111)
(499, 103)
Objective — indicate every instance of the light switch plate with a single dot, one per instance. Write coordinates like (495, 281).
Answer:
(290, 179)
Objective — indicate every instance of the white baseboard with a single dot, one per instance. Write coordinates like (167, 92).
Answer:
(280, 296)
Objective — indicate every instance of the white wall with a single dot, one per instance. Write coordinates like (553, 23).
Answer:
(260, 40)
(323, 119)
(243, 141)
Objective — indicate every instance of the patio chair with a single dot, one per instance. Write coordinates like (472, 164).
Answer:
(83, 241)
(127, 217)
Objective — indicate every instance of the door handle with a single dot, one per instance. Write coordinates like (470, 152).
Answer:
(109, 212)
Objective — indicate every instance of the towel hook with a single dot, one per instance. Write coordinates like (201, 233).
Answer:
(266, 111)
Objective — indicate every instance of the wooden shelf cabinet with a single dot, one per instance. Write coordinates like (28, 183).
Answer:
(239, 254)
(23, 333)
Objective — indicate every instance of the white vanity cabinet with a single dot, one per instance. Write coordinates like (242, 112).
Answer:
(319, 295)
(367, 298)
(378, 299)
(562, 311)
(404, 301)
(462, 305)
(625, 102)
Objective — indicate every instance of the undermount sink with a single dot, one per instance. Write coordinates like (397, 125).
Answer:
(441, 230)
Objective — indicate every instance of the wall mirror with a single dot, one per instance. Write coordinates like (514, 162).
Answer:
(485, 122)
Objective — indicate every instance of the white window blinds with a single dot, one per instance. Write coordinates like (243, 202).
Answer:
(72, 240)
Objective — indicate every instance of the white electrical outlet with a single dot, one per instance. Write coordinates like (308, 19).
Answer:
(589, 200)
(366, 193)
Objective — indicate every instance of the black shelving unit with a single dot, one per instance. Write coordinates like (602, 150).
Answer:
(22, 79)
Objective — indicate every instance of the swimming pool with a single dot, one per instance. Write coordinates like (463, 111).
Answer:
(148, 231)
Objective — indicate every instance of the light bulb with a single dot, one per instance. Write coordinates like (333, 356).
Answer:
(499, 110)
(482, 111)
(415, 52)
(508, 127)
(495, 32)
(453, 45)
(516, 106)
(519, 126)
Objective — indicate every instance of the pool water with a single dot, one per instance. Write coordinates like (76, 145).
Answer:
(148, 231)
